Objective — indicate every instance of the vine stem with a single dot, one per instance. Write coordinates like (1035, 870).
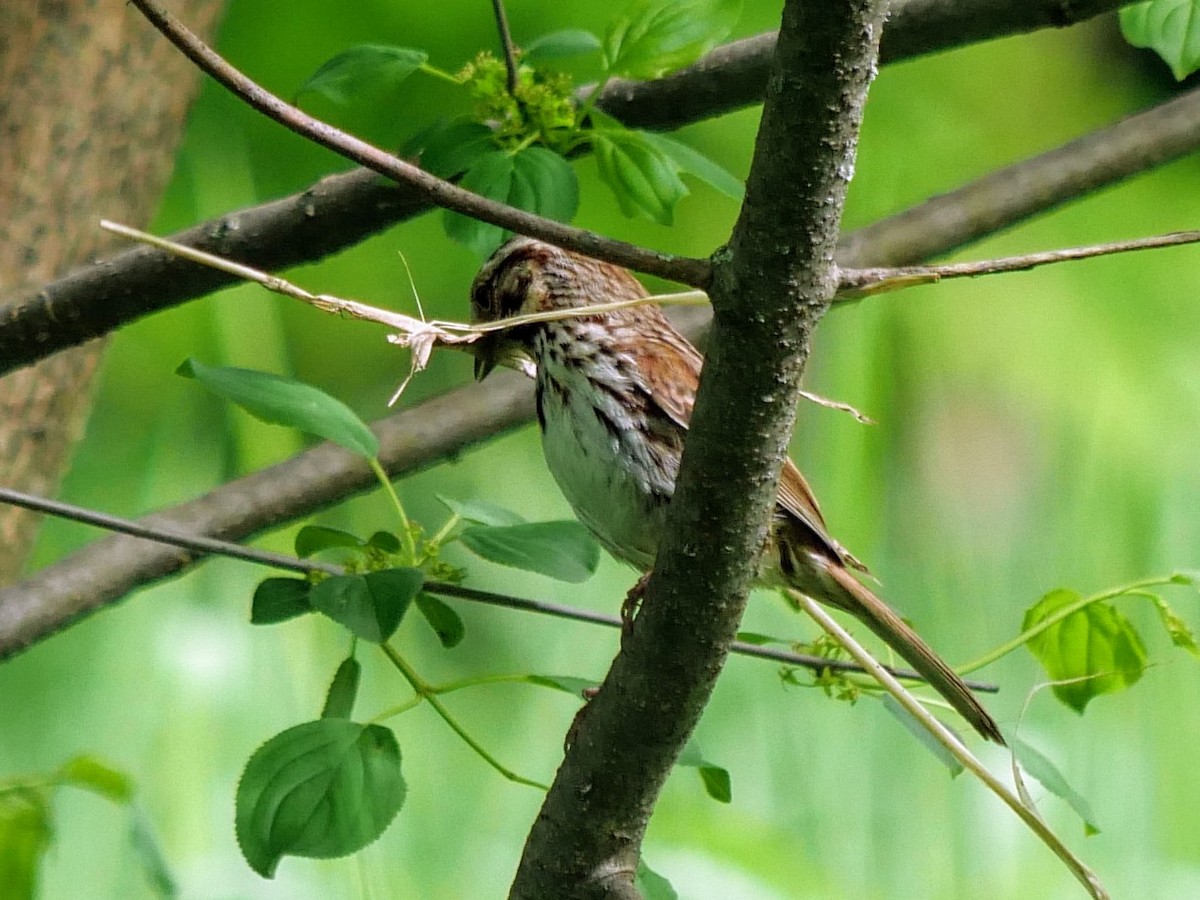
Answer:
(953, 745)
(1069, 610)
(406, 535)
(429, 694)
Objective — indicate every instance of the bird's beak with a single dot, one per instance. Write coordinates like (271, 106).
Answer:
(485, 355)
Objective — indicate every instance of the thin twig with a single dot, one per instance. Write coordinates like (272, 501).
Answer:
(202, 544)
(681, 269)
(947, 739)
(506, 44)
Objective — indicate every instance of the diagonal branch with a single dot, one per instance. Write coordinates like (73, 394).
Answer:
(342, 210)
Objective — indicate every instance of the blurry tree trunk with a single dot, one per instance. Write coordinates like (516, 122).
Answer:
(92, 107)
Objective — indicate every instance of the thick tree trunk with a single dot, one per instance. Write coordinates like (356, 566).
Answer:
(92, 104)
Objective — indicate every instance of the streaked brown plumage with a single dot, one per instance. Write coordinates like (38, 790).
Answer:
(614, 397)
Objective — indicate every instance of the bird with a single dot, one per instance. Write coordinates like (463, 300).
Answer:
(614, 394)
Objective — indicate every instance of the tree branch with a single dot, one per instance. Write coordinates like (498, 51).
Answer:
(768, 292)
(342, 210)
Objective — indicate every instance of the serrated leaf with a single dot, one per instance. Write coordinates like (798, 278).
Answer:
(365, 69)
(1178, 630)
(445, 622)
(370, 605)
(651, 885)
(285, 401)
(716, 778)
(339, 699)
(535, 179)
(644, 179)
(577, 687)
(88, 772)
(695, 163)
(653, 37)
(279, 599)
(314, 538)
(25, 833)
(1096, 649)
(320, 790)
(927, 740)
(1171, 28)
(481, 512)
(561, 550)
(560, 45)
(449, 148)
(1047, 774)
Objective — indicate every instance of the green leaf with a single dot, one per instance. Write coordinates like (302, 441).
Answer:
(652, 37)
(339, 700)
(284, 401)
(760, 640)
(444, 621)
(25, 834)
(450, 147)
(370, 605)
(698, 165)
(88, 772)
(1187, 577)
(279, 599)
(560, 45)
(644, 179)
(1181, 635)
(535, 179)
(320, 790)
(1047, 774)
(653, 886)
(481, 512)
(1096, 649)
(384, 541)
(715, 778)
(1171, 28)
(365, 69)
(927, 740)
(577, 687)
(561, 550)
(313, 538)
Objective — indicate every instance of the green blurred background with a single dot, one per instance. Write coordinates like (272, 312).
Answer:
(1034, 431)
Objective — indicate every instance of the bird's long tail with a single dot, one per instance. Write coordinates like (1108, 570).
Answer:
(881, 619)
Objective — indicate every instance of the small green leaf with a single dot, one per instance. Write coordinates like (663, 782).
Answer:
(365, 69)
(561, 550)
(1096, 650)
(927, 740)
(1047, 774)
(481, 512)
(313, 538)
(1181, 635)
(760, 640)
(445, 622)
(384, 541)
(716, 779)
(280, 599)
(535, 179)
(370, 605)
(698, 165)
(25, 833)
(560, 45)
(1187, 577)
(320, 790)
(284, 401)
(653, 886)
(577, 687)
(652, 37)
(88, 772)
(644, 179)
(1169, 27)
(450, 147)
(339, 700)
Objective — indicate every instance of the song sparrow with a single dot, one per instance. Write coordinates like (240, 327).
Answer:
(614, 396)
